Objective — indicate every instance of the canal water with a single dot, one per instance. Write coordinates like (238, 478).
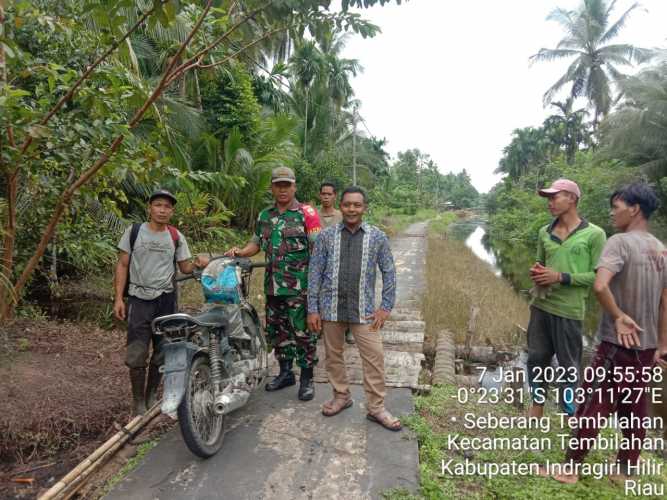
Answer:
(473, 233)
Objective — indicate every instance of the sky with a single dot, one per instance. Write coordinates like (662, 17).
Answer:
(453, 77)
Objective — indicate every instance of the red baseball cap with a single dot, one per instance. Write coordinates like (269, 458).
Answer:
(561, 185)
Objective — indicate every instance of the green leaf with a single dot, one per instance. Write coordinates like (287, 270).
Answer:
(8, 50)
(18, 93)
(170, 11)
(39, 131)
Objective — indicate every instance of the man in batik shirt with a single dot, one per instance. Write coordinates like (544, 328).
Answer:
(341, 296)
(285, 232)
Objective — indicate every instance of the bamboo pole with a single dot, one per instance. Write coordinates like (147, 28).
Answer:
(93, 461)
(73, 487)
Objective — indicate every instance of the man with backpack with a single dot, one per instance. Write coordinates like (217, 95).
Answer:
(148, 257)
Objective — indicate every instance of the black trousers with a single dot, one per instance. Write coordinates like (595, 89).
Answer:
(140, 314)
(549, 334)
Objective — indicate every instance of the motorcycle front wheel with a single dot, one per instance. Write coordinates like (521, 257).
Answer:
(203, 430)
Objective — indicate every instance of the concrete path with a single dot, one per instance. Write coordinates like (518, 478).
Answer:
(277, 447)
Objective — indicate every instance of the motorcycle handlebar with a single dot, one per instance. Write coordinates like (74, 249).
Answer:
(195, 275)
(242, 262)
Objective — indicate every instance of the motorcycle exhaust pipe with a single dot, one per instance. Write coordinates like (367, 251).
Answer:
(228, 402)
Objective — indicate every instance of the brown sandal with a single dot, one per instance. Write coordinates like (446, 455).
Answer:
(335, 406)
(386, 420)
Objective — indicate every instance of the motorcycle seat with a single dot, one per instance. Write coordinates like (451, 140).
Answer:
(215, 318)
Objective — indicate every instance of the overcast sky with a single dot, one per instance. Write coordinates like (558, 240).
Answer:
(452, 77)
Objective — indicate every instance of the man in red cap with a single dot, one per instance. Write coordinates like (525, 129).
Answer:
(567, 251)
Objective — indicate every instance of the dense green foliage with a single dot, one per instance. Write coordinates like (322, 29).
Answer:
(414, 181)
(629, 143)
(102, 101)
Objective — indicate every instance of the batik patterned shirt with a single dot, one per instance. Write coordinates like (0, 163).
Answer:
(329, 277)
(286, 240)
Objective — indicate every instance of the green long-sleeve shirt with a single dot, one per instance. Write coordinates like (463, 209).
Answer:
(576, 258)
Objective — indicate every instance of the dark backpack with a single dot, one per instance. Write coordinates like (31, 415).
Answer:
(134, 233)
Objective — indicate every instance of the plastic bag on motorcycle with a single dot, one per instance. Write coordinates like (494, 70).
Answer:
(221, 283)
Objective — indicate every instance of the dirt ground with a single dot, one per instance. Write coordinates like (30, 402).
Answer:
(64, 390)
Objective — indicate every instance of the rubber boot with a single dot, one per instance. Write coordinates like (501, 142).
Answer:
(284, 379)
(138, 380)
(306, 385)
(152, 385)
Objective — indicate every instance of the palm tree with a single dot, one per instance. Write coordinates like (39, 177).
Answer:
(306, 66)
(637, 132)
(274, 146)
(595, 67)
(338, 69)
(523, 153)
(567, 129)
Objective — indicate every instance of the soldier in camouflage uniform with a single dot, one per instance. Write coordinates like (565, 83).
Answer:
(286, 232)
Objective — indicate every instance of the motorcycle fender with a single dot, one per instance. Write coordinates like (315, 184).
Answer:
(177, 360)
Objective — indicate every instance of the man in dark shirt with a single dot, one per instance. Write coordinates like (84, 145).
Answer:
(341, 295)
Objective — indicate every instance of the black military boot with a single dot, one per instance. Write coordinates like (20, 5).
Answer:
(152, 385)
(138, 380)
(284, 379)
(306, 385)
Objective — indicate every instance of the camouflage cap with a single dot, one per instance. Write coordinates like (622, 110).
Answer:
(162, 193)
(282, 174)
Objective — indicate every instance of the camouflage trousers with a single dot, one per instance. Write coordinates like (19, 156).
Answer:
(286, 330)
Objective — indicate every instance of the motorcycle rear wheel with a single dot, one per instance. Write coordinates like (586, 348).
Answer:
(202, 429)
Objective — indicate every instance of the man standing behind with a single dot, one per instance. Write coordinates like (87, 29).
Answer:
(285, 232)
(328, 213)
(150, 252)
(330, 216)
(631, 286)
(567, 251)
(341, 295)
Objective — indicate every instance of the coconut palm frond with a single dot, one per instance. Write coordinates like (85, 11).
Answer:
(593, 73)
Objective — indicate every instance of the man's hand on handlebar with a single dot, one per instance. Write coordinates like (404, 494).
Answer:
(201, 261)
(233, 252)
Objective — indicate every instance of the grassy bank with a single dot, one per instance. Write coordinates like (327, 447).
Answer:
(433, 424)
(457, 280)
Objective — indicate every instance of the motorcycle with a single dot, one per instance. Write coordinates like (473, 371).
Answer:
(215, 359)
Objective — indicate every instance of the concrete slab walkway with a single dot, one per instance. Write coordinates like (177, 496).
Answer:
(277, 447)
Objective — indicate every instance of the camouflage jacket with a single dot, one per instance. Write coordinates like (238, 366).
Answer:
(286, 240)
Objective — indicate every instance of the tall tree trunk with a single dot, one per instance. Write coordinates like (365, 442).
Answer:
(305, 126)
(571, 149)
(198, 101)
